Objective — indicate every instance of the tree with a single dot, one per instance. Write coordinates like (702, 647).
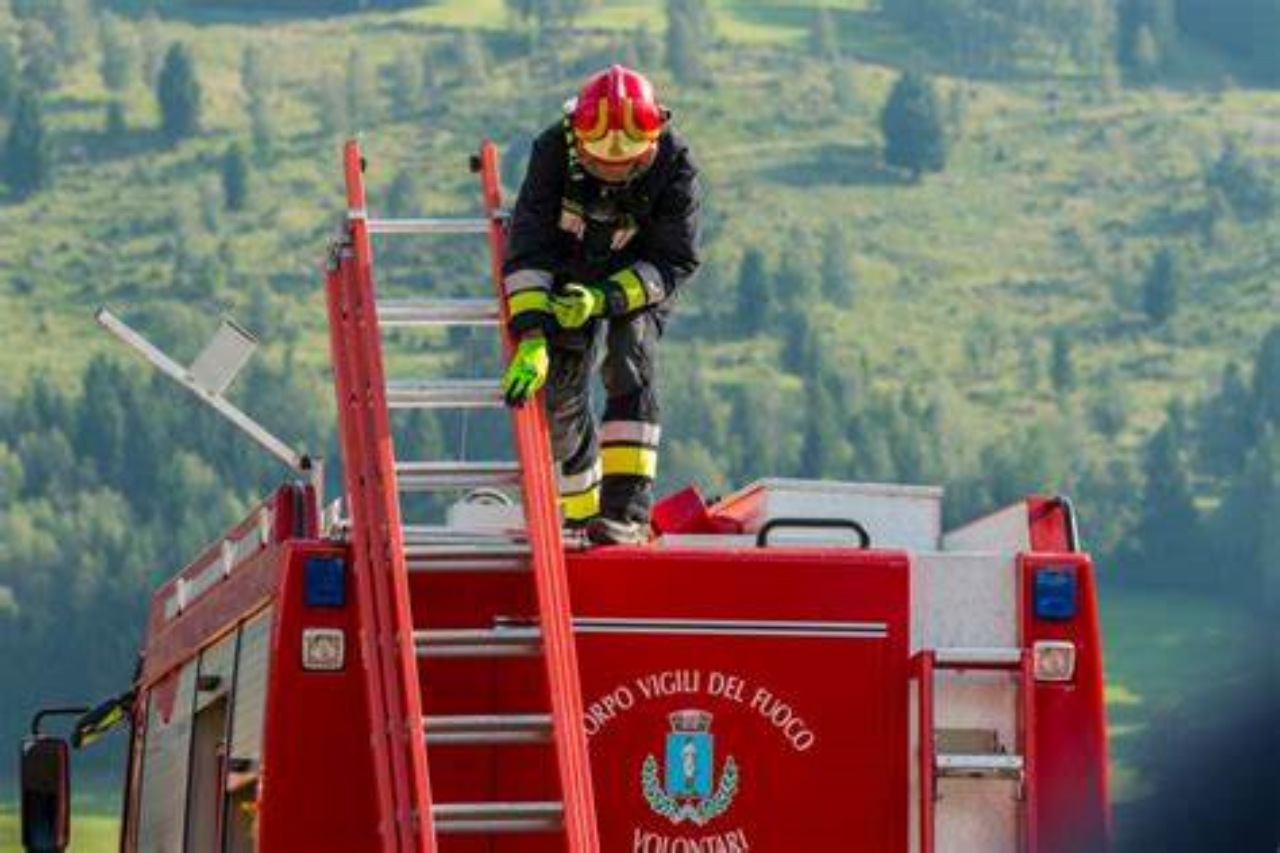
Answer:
(331, 105)
(115, 126)
(235, 177)
(1168, 526)
(1246, 184)
(1147, 58)
(257, 79)
(404, 81)
(843, 77)
(755, 293)
(178, 92)
(473, 58)
(912, 126)
(1062, 367)
(839, 282)
(1227, 427)
(689, 37)
(824, 39)
(404, 194)
(27, 162)
(117, 61)
(797, 277)
(10, 75)
(361, 93)
(1266, 379)
(647, 45)
(1162, 287)
(39, 54)
(824, 451)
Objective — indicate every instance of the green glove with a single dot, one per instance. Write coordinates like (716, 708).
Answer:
(527, 371)
(577, 305)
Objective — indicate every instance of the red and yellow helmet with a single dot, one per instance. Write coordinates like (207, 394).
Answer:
(616, 122)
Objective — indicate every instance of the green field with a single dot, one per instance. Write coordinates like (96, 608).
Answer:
(92, 831)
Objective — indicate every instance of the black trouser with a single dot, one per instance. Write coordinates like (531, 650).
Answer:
(612, 467)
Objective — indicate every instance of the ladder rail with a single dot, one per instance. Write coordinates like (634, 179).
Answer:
(352, 439)
(542, 518)
(370, 478)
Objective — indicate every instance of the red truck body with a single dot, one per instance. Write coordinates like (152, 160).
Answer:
(790, 677)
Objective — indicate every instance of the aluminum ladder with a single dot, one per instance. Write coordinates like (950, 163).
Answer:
(386, 549)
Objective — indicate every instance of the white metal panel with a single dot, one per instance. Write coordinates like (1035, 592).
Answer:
(896, 516)
(969, 600)
(963, 600)
(166, 754)
(249, 702)
(217, 662)
(1005, 532)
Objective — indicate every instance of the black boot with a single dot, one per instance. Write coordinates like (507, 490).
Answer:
(603, 530)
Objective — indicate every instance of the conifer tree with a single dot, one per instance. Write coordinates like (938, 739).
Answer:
(235, 177)
(824, 40)
(838, 275)
(27, 161)
(115, 125)
(1266, 380)
(912, 124)
(1062, 368)
(39, 56)
(690, 34)
(257, 79)
(1162, 288)
(10, 75)
(1147, 57)
(1168, 525)
(1228, 425)
(755, 293)
(361, 93)
(116, 64)
(178, 92)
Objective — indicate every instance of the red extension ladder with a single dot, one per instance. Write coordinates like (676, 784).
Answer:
(385, 549)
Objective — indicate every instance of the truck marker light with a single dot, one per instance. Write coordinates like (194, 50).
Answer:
(1054, 660)
(324, 582)
(324, 649)
(1056, 594)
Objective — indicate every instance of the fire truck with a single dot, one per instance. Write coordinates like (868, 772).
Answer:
(798, 667)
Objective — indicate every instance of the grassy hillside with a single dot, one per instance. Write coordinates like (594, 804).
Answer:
(1045, 219)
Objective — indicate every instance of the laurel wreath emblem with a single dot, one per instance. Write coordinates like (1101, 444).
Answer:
(677, 812)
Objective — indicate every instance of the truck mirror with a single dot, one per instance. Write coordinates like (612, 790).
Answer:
(46, 794)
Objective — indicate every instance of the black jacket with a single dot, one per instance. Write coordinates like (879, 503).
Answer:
(663, 203)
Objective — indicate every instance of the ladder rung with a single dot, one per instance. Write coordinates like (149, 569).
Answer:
(478, 643)
(488, 729)
(989, 766)
(438, 312)
(430, 225)
(444, 394)
(436, 548)
(498, 817)
(426, 476)
(448, 534)
(977, 658)
(428, 563)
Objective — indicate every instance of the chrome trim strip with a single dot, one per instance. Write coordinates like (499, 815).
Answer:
(732, 627)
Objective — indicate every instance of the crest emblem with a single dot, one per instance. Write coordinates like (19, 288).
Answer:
(687, 790)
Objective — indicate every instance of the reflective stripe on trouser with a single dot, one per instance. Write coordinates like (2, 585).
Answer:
(626, 446)
(579, 492)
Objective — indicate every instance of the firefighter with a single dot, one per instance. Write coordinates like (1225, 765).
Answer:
(604, 233)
